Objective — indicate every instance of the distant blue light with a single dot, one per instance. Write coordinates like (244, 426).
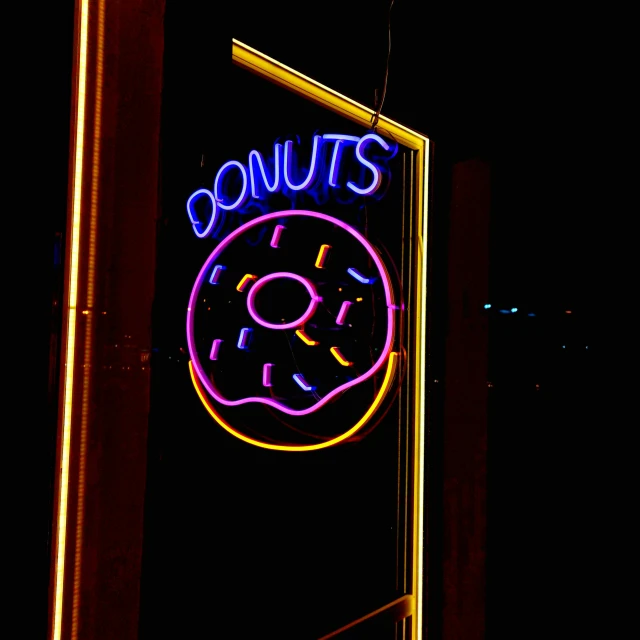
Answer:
(564, 347)
(514, 309)
(532, 315)
(505, 311)
(487, 306)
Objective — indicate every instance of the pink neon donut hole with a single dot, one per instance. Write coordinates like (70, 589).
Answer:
(313, 304)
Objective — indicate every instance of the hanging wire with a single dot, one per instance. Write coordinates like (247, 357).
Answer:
(376, 116)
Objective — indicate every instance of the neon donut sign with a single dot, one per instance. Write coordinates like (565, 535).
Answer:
(211, 350)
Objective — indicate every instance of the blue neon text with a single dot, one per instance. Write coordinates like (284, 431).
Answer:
(348, 166)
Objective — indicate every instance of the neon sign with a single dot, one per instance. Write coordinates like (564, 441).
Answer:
(305, 316)
(351, 166)
(213, 340)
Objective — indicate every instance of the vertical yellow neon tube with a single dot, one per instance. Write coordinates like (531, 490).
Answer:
(419, 461)
(88, 329)
(63, 486)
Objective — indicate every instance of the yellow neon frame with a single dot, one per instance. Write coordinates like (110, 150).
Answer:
(84, 170)
(258, 63)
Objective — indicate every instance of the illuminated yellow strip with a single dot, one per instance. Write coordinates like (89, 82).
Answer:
(243, 283)
(88, 333)
(323, 445)
(339, 357)
(305, 338)
(63, 490)
(418, 567)
(322, 254)
(278, 73)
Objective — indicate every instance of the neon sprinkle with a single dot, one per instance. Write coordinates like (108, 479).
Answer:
(243, 283)
(277, 232)
(342, 314)
(339, 357)
(358, 276)
(305, 338)
(322, 254)
(215, 274)
(266, 375)
(243, 340)
(299, 378)
(215, 347)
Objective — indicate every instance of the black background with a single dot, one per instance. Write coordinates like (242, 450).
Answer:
(516, 86)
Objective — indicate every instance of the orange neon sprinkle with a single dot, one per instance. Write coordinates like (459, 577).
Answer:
(339, 357)
(73, 278)
(322, 254)
(305, 338)
(243, 283)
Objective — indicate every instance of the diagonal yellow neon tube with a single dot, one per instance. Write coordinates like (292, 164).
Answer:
(305, 338)
(339, 357)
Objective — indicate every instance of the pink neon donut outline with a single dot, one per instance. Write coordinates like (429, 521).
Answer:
(204, 379)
